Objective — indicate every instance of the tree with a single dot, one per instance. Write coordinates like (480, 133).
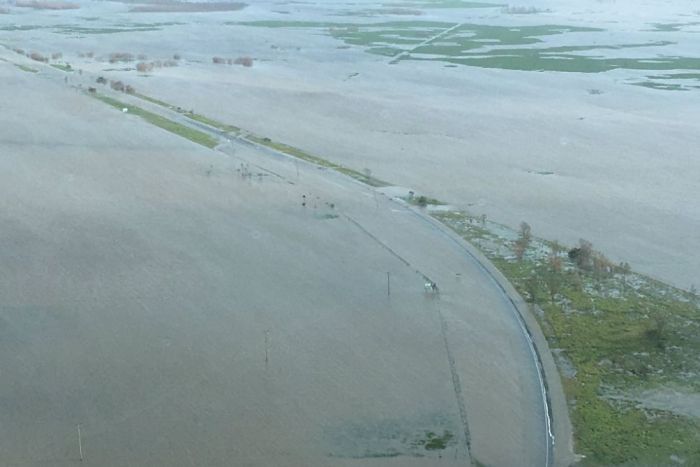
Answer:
(553, 280)
(531, 286)
(523, 241)
(582, 255)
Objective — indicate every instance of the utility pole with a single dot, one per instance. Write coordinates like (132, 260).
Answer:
(267, 352)
(388, 284)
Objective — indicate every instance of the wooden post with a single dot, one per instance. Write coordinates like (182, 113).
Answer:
(388, 284)
(267, 353)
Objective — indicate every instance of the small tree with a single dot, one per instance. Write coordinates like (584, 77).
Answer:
(523, 241)
(531, 287)
(656, 333)
(582, 255)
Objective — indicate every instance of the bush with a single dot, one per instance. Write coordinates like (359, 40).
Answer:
(56, 55)
(117, 85)
(36, 56)
(245, 61)
(219, 60)
(120, 57)
(144, 67)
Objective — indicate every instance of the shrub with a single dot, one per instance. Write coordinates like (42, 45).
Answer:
(117, 85)
(144, 67)
(219, 60)
(120, 57)
(245, 61)
(56, 55)
(36, 56)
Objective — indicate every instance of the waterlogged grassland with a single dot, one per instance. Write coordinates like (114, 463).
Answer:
(616, 334)
(63, 67)
(673, 27)
(671, 82)
(522, 48)
(76, 29)
(192, 134)
(441, 4)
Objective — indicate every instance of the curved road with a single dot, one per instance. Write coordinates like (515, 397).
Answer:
(498, 391)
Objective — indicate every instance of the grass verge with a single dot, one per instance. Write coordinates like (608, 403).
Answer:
(365, 178)
(616, 336)
(26, 68)
(193, 135)
(67, 68)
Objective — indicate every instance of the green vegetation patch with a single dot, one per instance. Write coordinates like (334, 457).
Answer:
(63, 67)
(671, 82)
(443, 4)
(492, 46)
(433, 442)
(80, 30)
(614, 332)
(365, 178)
(26, 68)
(213, 123)
(672, 27)
(193, 135)
(662, 86)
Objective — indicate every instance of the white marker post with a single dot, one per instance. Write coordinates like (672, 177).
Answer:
(267, 333)
(80, 444)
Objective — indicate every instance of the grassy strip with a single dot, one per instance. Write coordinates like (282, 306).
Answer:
(191, 115)
(616, 333)
(299, 154)
(67, 68)
(267, 142)
(26, 68)
(423, 201)
(155, 101)
(193, 135)
(213, 123)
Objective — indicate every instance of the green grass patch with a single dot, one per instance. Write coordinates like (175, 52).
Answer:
(192, 115)
(433, 442)
(299, 154)
(213, 123)
(365, 178)
(79, 30)
(424, 201)
(153, 100)
(493, 46)
(26, 68)
(63, 67)
(662, 86)
(192, 134)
